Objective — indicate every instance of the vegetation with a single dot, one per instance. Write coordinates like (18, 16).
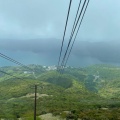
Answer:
(86, 93)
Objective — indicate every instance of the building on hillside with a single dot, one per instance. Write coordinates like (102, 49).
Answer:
(51, 68)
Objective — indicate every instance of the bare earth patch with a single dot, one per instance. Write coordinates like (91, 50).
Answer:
(49, 116)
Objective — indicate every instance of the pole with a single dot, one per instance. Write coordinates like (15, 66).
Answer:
(35, 102)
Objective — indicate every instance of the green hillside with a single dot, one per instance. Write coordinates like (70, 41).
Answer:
(106, 80)
(78, 89)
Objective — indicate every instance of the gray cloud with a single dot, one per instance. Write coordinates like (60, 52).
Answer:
(26, 19)
(26, 27)
(102, 51)
(34, 45)
(84, 52)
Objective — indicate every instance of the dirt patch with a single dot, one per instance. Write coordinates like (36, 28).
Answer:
(30, 95)
(49, 116)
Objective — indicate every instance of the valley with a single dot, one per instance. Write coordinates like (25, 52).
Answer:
(87, 93)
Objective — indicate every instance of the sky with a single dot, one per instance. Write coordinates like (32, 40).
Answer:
(31, 32)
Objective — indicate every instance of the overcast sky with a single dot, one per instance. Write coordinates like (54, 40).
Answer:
(25, 19)
(31, 31)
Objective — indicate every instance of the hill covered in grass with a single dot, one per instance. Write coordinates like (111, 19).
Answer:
(79, 89)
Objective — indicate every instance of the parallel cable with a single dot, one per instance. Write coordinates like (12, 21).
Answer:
(76, 17)
(64, 32)
(14, 61)
(76, 33)
(62, 64)
(9, 74)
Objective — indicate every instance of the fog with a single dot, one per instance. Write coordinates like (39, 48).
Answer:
(31, 32)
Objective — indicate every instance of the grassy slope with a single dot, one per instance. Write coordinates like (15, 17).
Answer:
(108, 84)
(65, 92)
